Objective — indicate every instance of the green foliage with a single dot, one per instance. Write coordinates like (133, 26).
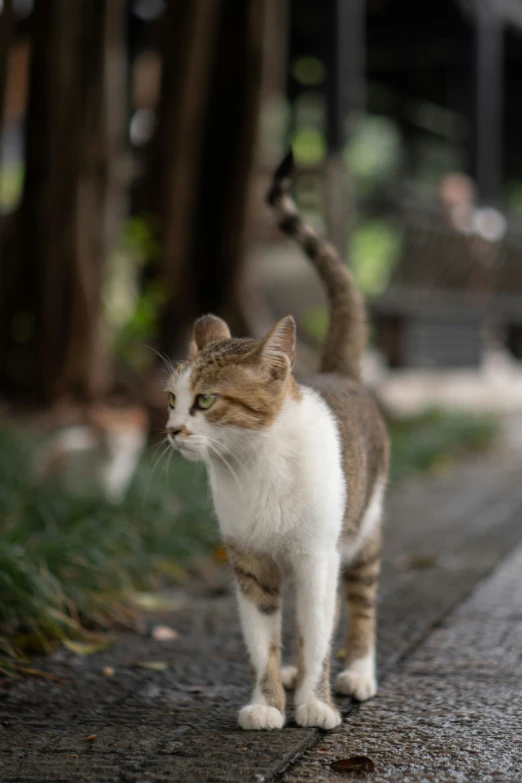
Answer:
(374, 250)
(67, 561)
(432, 441)
(11, 184)
(315, 322)
(309, 71)
(373, 154)
(309, 145)
(132, 308)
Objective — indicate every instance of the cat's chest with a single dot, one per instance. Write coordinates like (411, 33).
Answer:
(258, 504)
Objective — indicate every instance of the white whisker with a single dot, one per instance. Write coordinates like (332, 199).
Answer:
(212, 445)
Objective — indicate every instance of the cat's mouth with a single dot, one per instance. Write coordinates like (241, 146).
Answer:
(191, 449)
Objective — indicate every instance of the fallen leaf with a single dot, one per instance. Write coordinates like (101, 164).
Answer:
(172, 569)
(353, 764)
(341, 654)
(157, 666)
(152, 602)
(38, 673)
(244, 748)
(108, 671)
(74, 755)
(163, 633)
(87, 648)
(220, 554)
(90, 738)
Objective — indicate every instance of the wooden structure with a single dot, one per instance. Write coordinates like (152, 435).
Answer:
(447, 289)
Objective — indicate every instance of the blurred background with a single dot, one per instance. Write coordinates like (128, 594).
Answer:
(137, 142)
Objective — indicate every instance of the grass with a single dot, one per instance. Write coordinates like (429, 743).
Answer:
(70, 563)
(432, 441)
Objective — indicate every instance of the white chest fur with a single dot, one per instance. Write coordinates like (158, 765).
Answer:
(284, 490)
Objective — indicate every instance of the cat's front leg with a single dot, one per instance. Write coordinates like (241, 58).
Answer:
(259, 598)
(316, 583)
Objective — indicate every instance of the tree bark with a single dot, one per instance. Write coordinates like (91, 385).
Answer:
(51, 337)
(6, 29)
(202, 158)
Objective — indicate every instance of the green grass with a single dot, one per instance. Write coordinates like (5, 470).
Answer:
(68, 562)
(433, 441)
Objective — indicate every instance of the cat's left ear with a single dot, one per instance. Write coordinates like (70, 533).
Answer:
(278, 347)
(207, 329)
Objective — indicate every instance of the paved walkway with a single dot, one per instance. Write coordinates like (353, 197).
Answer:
(450, 659)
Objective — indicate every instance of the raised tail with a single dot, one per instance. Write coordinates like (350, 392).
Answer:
(347, 332)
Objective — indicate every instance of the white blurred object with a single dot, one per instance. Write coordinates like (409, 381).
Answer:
(489, 224)
(163, 633)
(142, 125)
(101, 454)
(148, 10)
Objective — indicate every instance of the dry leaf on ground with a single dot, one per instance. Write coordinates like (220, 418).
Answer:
(353, 764)
(157, 666)
(87, 648)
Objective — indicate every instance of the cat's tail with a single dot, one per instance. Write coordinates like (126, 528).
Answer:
(347, 331)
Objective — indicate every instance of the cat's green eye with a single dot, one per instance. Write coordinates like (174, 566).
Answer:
(205, 401)
(172, 400)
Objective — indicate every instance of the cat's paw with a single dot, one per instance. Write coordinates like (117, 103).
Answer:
(319, 714)
(289, 677)
(257, 717)
(358, 680)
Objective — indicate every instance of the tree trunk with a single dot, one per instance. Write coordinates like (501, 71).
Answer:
(6, 28)
(202, 158)
(51, 337)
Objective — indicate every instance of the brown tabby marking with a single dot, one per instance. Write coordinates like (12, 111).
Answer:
(360, 580)
(270, 683)
(258, 578)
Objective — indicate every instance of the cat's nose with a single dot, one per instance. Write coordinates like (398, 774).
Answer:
(173, 432)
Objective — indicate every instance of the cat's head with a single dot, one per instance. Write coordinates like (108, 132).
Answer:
(228, 388)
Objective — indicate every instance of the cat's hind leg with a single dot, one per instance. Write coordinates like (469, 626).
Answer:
(360, 581)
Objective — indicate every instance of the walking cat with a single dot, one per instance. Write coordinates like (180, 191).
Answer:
(298, 473)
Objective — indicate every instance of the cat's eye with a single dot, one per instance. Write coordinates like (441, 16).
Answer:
(172, 400)
(205, 401)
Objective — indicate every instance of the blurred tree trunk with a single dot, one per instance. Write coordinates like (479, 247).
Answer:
(202, 158)
(6, 29)
(51, 335)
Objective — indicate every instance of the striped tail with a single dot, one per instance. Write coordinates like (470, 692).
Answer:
(347, 332)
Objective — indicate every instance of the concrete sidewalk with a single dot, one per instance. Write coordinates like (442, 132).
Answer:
(450, 658)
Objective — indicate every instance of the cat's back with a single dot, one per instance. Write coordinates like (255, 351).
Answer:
(364, 440)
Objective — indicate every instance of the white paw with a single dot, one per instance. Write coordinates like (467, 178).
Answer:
(255, 717)
(289, 676)
(357, 681)
(317, 713)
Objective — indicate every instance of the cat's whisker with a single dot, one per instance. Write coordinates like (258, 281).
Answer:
(227, 464)
(165, 359)
(167, 446)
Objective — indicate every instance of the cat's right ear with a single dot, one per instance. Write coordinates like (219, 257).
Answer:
(207, 329)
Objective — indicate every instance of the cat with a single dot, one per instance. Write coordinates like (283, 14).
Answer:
(298, 473)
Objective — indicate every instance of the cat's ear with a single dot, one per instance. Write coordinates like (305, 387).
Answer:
(207, 329)
(278, 347)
